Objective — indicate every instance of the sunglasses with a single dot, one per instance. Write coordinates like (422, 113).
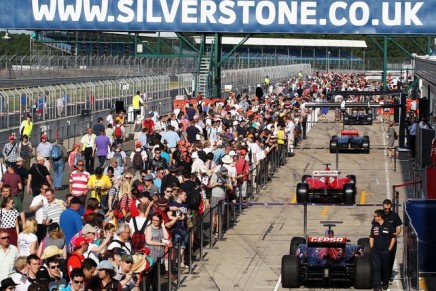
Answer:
(128, 178)
(4, 237)
(78, 282)
(54, 267)
(128, 262)
(80, 165)
(169, 191)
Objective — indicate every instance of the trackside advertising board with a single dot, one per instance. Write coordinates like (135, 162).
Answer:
(246, 16)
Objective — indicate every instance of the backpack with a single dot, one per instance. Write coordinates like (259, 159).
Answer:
(56, 152)
(137, 161)
(395, 135)
(116, 207)
(119, 157)
(194, 198)
(138, 237)
(118, 132)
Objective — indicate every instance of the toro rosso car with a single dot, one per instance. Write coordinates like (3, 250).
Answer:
(361, 116)
(349, 141)
(327, 261)
(328, 186)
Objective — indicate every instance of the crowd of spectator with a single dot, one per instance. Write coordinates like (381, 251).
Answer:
(128, 202)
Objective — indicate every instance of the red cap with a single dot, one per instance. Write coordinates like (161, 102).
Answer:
(137, 144)
(242, 152)
(11, 137)
(80, 241)
(181, 142)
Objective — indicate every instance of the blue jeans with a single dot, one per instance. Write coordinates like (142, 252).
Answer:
(58, 172)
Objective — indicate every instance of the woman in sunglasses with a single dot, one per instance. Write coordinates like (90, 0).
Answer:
(9, 219)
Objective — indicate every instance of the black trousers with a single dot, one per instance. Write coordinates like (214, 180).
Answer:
(392, 259)
(380, 268)
(89, 160)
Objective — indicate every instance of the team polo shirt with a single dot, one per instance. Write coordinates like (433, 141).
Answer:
(79, 182)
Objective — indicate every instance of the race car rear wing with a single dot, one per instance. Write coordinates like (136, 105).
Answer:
(349, 132)
(325, 173)
(326, 242)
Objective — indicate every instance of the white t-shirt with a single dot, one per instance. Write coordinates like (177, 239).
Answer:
(90, 254)
(139, 222)
(24, 242)
(39, 212)
(116, 244)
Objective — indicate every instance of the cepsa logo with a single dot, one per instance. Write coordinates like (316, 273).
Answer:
(314, 239)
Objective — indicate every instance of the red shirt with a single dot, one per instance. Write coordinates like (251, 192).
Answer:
(75, 261)
(134, 208)
(242, 167)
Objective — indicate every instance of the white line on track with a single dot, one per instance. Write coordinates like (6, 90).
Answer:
(279, 281)
(388, 187)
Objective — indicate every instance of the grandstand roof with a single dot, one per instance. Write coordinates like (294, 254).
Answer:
(293, 42)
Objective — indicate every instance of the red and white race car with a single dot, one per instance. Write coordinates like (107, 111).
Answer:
(326, 185)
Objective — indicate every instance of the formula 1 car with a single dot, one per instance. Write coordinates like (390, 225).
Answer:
(355, 117)
(349, 141)
(326, 185)
(327, 261)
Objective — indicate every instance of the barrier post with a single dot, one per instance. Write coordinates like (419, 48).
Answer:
(179, 257)
(201, 237)
(395, 159)
(158, 274)
(170, 265)
(337, 158)
(220, 220)
(240, 196)
(190, 242)
(211, 228)
(228, 214)
(397, 200)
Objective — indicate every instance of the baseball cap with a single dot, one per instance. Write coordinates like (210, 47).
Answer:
(242, 152)
(88, 229)
(53, 227)
(148, 177)
(232, 153)
(80, 241)
(119, 251)
(162, 202)
(20, 159)
(138, 144)
(105, 265)
(126, 258)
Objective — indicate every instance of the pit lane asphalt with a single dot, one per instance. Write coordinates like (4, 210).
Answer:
(249, 256)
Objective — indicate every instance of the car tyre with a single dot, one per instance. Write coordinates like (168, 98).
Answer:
(352, 179)
(302, 192)
(333, 145)
(349, 193)
(295, 242)
(362, 272)
(290, 271)
(364, 244)
(366, 145)
(303, 179)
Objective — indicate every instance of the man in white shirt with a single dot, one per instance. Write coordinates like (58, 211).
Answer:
(37, 205)
(110, 118)
(8, 255)
(171, 137)
(121, 238)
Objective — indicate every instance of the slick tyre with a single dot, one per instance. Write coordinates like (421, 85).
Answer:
(290, 272)
(295, 242)
(362, 273)
(302, 192)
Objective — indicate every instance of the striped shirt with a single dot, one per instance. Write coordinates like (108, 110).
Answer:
(79, 182)
(53, 210)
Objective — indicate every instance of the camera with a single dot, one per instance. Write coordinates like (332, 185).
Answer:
(97, 188)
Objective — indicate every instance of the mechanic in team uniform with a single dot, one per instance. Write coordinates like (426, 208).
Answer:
(382, 241)
(394, 219)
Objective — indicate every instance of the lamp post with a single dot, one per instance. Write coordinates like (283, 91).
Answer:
(328, 61)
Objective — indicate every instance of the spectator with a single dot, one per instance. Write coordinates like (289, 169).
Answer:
(89, 266)
(9, 222)
(219, 183)
(102, 147)
(77, 281)
(118, 170)
(80, 246)
(79, 179)
(6, 192)
(104, 279)
(33, 263)
(38, 175)
(70, 220)
(119, 154)
(8, 255)
(53, 209)
(37, 205)
(58, 157)
(55, 278)
(96, 246)
(44, 150)
(27, 240)
(157, 237)
(87, 144)
(10, 151)
(138, 157)
(121, 239)
(180, 227)
(99, 184)
(98, 128)
(54, 243)
(8, 284)
(21, 171)
(20, 275)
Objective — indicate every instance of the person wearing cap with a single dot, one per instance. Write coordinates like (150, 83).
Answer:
(10, 151)
(8, 255)
(105, 278)
(80, 245)
(197, 163)
(99, 184)
(26, 126)
(124, 274)
(44, 149)
(149, 185)
(87, 144)
(8, 284)
(138, 157)
(170, 179)
(70, 220)
(95, 247)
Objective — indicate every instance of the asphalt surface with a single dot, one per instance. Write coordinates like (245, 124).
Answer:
(249, 256)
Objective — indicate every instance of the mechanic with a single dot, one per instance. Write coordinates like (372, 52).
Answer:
(381, 241)
(394, 219)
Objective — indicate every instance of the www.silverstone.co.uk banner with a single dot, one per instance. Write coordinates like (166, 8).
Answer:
(321, 16)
